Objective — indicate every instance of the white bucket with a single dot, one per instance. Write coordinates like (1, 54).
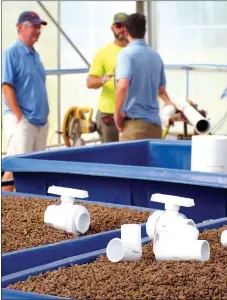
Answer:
(209, 153)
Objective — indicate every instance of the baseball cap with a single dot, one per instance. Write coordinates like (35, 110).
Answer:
(119, 18)
(32, 17)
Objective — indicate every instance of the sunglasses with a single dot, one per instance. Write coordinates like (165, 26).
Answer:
(119, 25)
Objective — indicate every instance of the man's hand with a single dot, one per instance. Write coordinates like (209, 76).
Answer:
(106, 78)
(19, 116)
(118, 119)
(170, 103)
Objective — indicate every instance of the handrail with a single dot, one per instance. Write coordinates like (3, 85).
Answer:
(218, 67)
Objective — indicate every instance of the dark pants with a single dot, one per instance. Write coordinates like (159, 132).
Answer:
(135, 129)
(106, 127)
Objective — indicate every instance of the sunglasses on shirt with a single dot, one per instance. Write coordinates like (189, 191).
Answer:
(119, 25)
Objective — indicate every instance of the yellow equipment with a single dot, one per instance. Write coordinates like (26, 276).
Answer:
(77, 120)
(165, 131)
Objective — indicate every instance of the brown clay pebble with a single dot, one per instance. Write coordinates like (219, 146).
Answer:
(144, 279)
(23, 225)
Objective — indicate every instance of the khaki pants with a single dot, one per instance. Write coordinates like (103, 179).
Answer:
(135, 129)
(107, 131)
(23, 137)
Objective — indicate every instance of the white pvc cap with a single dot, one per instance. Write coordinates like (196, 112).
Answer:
(172, 202)
(224, 238)
(67, 194)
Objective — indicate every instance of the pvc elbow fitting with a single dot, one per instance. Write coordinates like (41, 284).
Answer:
(70, 218)
(224, 238)
(128, 247)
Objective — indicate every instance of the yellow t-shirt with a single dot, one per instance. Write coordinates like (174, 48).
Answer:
(105, 62)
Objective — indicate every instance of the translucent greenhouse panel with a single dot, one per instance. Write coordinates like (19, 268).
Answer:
(177, 90)
(206, 89)
(52, 90)
(47, 44)
(88, 25)
(191, 31)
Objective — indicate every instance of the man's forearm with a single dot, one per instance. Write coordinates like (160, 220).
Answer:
(120, 97)
(94, 82)
(165, 97)
(11, 99)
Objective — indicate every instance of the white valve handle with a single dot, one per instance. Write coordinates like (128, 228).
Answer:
(172, 200)
(67, 194)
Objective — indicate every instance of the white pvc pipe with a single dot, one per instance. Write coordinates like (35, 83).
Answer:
(68, 217)
(200, 124)
(129, 247)
(224, 238)
(165, 249)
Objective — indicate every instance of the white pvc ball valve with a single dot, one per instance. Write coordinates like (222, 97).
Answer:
(160, 220)
(66, 216)
(152, 221)
(224, 238)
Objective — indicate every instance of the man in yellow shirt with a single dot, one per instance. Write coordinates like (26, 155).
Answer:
(101, 74)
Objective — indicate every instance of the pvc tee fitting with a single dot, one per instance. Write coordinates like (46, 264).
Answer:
(176, 249)
(70, 218)
(129, 247)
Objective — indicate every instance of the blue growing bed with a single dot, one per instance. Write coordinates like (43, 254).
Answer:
(16, 261)
(84, 258)
(124, 173)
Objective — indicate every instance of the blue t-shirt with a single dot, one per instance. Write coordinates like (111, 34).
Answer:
(24, 71)
(140, 64)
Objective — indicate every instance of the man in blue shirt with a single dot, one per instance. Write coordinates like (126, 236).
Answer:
(24, 91)
(140, 79)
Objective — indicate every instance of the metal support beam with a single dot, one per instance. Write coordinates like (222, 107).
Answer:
(140, 6)
(62, 32)
(151, 23)
(59, 76)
